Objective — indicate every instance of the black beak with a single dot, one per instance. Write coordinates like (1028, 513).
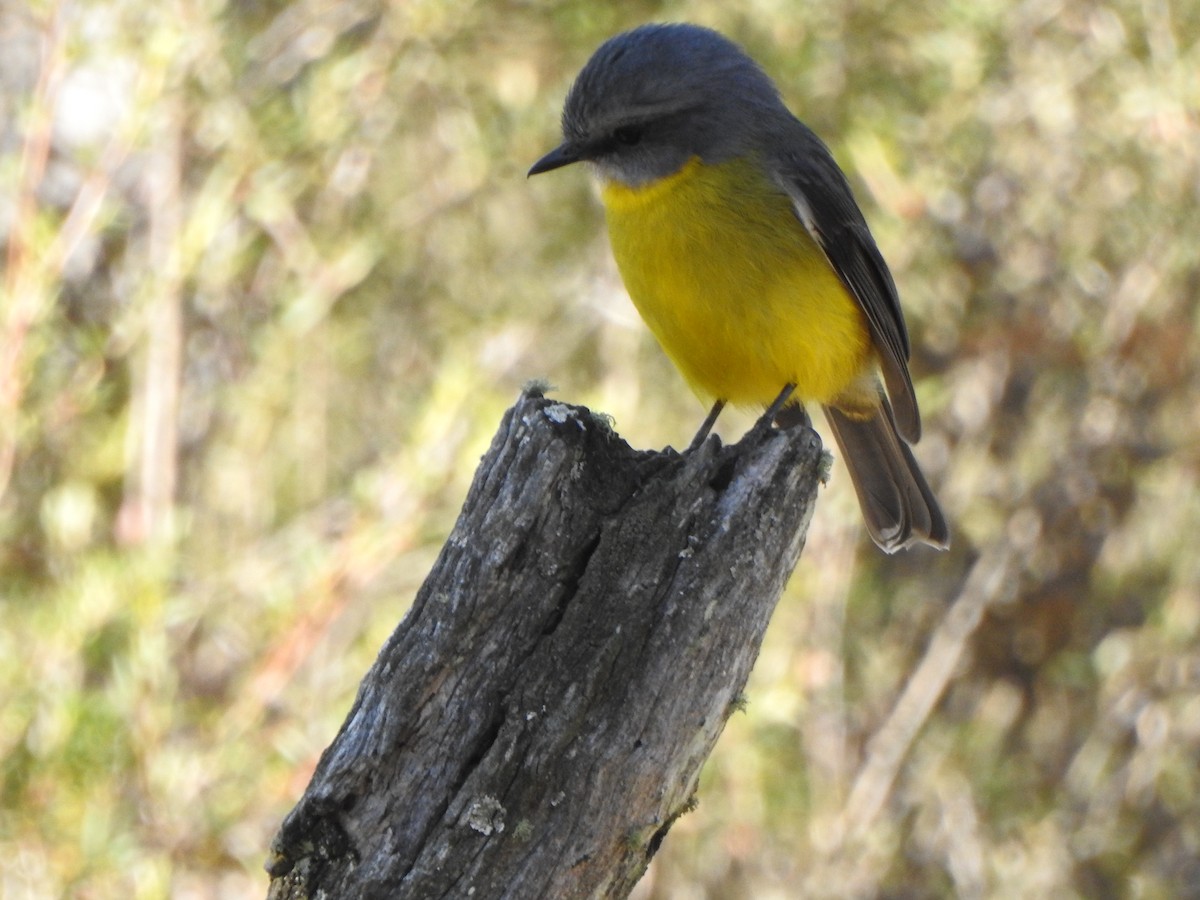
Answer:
(560, 156)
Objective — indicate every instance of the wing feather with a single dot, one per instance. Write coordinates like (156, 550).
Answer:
(825, 205)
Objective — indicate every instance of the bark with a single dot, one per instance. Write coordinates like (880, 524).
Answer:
(539, 718)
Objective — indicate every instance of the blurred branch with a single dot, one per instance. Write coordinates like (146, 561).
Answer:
(22, 294)
(146, 511)
(539, 719)
(32, 271)
(891, 743)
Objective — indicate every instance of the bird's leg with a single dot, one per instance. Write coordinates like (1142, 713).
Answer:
(707, 425)
(776, 409)
(780, 402)
(784, 412)
(791, 415)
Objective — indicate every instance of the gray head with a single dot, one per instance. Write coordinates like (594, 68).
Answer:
(652, 98)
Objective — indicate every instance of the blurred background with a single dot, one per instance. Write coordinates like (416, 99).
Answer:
(272, 272)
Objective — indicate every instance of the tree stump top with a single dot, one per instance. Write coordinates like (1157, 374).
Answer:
(539, 718)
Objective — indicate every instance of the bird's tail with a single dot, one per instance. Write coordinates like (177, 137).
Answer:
(897, 504)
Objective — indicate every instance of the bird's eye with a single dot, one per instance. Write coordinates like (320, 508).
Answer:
(628, 135)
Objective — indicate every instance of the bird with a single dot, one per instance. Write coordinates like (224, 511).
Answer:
(742, 247)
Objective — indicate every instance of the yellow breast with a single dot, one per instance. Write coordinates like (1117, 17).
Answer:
(736, 291)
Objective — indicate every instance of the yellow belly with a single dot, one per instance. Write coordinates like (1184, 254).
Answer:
(736, 291)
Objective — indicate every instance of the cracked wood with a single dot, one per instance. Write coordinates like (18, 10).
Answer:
(539, 718)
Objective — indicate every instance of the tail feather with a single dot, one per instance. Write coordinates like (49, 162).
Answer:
(897, 504)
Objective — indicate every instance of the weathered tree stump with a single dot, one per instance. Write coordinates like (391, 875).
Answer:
(539, 718)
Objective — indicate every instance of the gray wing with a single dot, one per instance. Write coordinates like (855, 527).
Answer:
(823, 202)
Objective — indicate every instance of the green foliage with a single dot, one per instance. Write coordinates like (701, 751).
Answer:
(273, 272)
